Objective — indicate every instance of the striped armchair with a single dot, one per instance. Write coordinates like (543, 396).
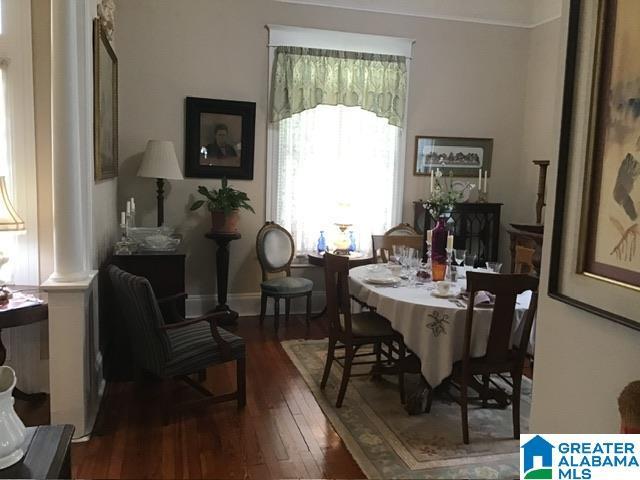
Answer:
(176, 349)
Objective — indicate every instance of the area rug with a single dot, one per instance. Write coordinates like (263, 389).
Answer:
(388, 443)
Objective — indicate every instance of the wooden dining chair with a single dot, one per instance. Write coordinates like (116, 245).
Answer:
(275, 249)
(402, 229)
(523, 262)
(501, 355)
(383, 245)
(351, 331)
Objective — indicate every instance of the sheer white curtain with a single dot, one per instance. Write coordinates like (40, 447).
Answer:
(7, 241)
(335, 164)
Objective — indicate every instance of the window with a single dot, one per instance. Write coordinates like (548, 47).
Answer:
(330, 163)
(336, 164)
(17, 140)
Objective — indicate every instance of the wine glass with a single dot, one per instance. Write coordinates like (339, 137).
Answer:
(398, 253)
(470, 261)
(495, 267)
(459, 255)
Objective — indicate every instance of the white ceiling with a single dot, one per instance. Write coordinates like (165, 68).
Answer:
(519, 13)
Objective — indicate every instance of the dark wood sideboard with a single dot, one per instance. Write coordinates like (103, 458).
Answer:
(166, 273)
(475, 226)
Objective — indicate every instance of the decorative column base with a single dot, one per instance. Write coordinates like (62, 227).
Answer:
(75, 362)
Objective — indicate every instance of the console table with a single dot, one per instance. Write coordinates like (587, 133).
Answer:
(475, 226)
(17, 314)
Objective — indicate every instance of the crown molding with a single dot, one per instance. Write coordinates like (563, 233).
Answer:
(505, 13)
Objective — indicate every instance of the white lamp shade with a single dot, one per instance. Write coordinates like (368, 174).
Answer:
(160, 161)
(10, 221)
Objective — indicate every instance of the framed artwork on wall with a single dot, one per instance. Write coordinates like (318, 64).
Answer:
(598, 191)
(105, 106)
(462, 156)
(219, 138)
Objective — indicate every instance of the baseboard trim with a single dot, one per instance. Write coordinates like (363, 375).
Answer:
(248, 304)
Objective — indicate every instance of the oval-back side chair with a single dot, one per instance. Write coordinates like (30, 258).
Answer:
(276, 249)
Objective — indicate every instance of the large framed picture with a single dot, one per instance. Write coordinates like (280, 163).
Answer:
(105, 106)
(597, 191)
(219, 138)
(462, 156)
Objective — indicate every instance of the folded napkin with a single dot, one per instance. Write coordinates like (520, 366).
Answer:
(483, 298)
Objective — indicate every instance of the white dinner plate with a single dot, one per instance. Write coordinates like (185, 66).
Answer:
(451, 294)
(382, 280)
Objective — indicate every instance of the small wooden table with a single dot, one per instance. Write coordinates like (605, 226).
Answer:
(318, 260)
(17, 314)
(47, 454)
(222, 273)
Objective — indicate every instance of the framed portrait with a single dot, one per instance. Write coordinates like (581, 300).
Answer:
(595, 260)
(105, 106)
(462, 156)
(219, 138)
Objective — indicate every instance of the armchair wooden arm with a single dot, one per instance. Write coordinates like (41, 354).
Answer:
(225, 347)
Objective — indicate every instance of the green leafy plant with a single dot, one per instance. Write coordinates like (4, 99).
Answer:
(224, 199)
(443, 197)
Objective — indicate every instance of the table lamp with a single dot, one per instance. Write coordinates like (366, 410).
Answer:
(159, 161)
(343, 214)
(10, 221)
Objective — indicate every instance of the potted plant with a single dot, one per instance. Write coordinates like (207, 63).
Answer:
(224, 205)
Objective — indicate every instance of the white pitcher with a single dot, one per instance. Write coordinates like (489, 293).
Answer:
(12, 430)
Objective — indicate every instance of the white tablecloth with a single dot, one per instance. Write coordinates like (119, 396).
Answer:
(433, 328)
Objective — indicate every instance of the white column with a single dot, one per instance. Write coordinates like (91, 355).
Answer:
(75, 369)
(69, 233)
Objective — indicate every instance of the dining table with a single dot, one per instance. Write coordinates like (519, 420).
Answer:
(432, 326)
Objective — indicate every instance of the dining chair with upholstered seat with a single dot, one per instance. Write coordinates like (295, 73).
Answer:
(383, 245)
(178, 347)
(352, 331)
(502, 355)
(276, 249)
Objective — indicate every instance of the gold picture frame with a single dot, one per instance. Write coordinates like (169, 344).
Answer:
(105, 105)
(596, 138)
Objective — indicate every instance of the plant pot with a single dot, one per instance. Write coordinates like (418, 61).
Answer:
(223, 223)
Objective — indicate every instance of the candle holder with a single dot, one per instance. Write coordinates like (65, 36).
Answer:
(482, 197)
(448, 274)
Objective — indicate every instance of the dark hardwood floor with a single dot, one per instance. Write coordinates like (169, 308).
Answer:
(281, 433)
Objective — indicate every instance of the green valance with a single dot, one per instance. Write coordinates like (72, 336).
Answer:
(304, 78)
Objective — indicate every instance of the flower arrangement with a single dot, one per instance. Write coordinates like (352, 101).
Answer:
(443, 196)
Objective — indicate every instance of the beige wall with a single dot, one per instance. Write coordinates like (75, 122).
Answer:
(466, 80)
(539, 137)
(582, 361)
(41, 32)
